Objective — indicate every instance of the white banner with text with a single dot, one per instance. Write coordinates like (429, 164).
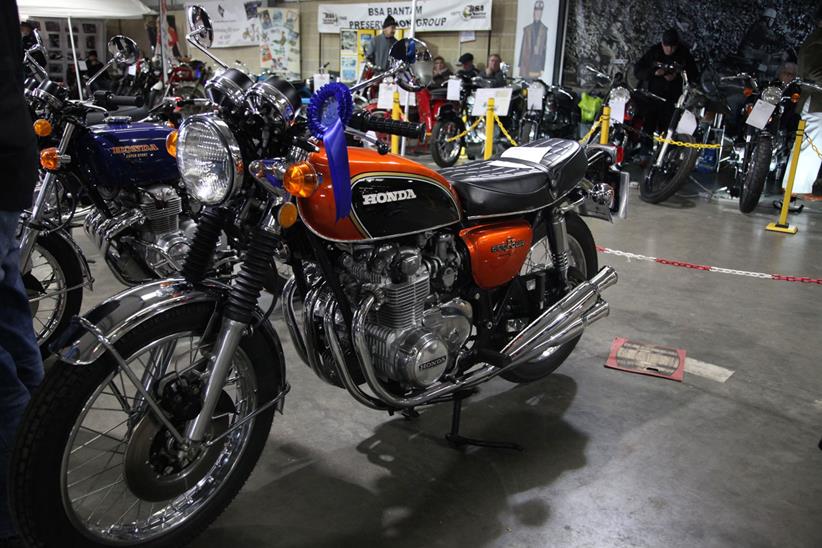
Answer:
(432, 15)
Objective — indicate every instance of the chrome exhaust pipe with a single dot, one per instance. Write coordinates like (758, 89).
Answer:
(571, 307)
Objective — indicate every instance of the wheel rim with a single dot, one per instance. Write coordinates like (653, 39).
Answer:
(673, 159)
(46, 287)
(93, 476)
(448, 150)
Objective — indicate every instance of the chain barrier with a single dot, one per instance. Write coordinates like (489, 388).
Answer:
(813, 145)
(464, 133)
(659, 139)
(705, 268)
(504, 131)
(594, 127)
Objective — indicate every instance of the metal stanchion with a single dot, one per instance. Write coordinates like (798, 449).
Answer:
(489, 129)
(782, 224)
(605, 124)
(396, 114)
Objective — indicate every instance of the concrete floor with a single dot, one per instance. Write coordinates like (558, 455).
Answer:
(611, 459)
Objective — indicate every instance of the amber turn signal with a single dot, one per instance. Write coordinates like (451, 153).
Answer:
(795, 98)
(171, 143)
(300, 180)
(747, 92)
(42, 127)
(49, 158)
(287, 215)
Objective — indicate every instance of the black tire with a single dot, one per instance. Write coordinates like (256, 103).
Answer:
(66, 259)
(662, 183)
(579, 232)
(36, 496)
(756, 174)
(439, 134)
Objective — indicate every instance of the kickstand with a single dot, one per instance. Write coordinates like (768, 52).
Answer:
(454, 437)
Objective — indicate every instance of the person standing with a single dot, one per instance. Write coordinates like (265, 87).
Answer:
(662, 81)
(380, 46)
(534, 42)
(493, 71)
(467, 69)
(21, 367)
(810, 68)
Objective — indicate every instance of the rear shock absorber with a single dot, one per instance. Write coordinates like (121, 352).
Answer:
(204, 245)
(246, 287)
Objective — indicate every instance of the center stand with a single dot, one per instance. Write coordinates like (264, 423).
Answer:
(457, 440)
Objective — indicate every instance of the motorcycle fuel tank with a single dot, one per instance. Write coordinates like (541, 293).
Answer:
(392, 196)
(124, 154)
(497, 251)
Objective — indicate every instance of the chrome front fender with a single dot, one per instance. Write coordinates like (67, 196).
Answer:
(124, 311)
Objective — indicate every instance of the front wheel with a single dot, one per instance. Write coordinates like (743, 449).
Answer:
(93, 467)
(755, 175)
(583, 264)
(446, 153)
(53, 280)
(664, 181)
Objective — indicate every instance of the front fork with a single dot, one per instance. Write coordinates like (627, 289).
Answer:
(32, 224)
(237, 317)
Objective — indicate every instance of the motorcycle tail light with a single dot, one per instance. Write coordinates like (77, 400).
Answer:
(748, 108)
(620, 155)
(49, 158)
(171, 144)
(287, 215)
(42, 127)
(795, 98)
(747, 92)
(300, 180)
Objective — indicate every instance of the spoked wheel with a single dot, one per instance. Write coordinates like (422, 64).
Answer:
(583, 264)
(54, 286)
(93, 466)
(446, 153)
(663, 182)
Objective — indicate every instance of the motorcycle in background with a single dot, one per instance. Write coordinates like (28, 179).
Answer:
(417, 286)
(558, 115)
(140, 216)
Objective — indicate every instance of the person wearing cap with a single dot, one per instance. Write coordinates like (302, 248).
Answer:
(467, 69)
(380, 46)
(534, 42)
(760, 38)
(666, 84)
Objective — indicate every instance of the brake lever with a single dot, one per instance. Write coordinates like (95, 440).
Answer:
(381, 147)
(305, 144)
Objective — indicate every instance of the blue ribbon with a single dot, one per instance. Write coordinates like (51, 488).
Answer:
(329, 110)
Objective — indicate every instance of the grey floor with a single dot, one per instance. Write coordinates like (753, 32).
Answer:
(611, 459)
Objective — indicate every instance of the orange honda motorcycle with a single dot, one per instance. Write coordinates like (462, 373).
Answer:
(410, 287)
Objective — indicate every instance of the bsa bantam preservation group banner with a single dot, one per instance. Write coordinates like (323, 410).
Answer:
(432, 15)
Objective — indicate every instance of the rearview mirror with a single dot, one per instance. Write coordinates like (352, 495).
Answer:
(200, 24)
(123, 49)
(418, 71)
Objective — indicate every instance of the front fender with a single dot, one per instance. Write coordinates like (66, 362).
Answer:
(123, 312)
(81, 258)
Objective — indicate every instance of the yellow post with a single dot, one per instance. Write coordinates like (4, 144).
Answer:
(396, 114)
(782, 225)
(605, 125)
(489, 129)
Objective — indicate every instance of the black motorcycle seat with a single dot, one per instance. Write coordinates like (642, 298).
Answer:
(98, 116)
(524, 178)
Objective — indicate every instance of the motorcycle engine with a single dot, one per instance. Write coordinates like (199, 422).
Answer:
(169, 238)
(417, 332)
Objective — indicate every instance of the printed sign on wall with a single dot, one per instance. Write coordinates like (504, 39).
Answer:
(235, 22)
(432, 15)
(280, 41)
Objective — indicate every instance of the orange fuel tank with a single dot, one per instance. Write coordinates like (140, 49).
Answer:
(497, 251)
(391, 196)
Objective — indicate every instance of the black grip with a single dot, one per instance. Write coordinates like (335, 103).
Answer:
(108, 100)
(380, 124)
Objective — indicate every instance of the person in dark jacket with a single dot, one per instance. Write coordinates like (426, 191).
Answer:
(493, 71)
(21, 368)
(380, 46)
(663, 82)
(467, 69)
(441, 73)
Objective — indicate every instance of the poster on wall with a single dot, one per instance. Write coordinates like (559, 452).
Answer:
(349, 63)
(235, 22)
(432, 15)
(535, 49)
(280, 41)
(751, 36)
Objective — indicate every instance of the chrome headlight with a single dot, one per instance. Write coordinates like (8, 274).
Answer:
(772, 95)
(209, 159)
(619, 95)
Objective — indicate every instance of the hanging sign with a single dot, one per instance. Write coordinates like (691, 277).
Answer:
(502, 100)
(432, 15)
